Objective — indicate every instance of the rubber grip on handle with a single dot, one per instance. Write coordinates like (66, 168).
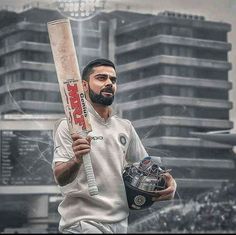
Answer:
(92, 186)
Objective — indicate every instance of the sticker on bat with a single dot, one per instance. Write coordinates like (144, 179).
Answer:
(75, 104)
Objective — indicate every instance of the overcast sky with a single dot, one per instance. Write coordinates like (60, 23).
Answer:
(216, 10)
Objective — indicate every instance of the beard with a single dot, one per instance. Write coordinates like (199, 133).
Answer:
(99, 98)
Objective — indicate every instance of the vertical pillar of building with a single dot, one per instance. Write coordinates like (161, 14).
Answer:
(103, 45)
(80, 43)
(38, 211)
(111, 55)
(111, 39)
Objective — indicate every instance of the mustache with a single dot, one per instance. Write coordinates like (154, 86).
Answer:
(107, 89)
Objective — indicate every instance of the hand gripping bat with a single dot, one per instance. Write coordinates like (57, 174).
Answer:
(71, 89)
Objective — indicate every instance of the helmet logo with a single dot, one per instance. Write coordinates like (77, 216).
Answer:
(139, 200)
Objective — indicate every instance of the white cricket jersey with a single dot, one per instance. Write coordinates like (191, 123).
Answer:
(114, 142)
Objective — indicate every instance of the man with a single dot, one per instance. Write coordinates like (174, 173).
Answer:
(112, 143)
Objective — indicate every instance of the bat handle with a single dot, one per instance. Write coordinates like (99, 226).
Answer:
(92, 186)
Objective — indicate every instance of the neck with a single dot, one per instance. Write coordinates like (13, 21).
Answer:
(103, 111)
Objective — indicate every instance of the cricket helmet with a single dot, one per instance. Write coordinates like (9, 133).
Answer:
(141, 179)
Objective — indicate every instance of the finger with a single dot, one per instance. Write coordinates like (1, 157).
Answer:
(163, 198)
(89, 138)
(171, 187)
(163, 192)
(81, 147)
(79, 142)
(76, 136)
(166, 191)
(167, 176)
(81, 153)
(169, 180)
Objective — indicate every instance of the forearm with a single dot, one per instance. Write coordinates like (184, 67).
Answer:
(66, 172)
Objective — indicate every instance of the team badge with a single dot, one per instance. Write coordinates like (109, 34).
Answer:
(123, 139)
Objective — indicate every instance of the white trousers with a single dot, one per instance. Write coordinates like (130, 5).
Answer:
(89, 226)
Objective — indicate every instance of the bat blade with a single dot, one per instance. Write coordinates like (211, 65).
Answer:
(71, 89)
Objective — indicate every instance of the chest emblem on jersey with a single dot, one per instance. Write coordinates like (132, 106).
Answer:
(122, 139)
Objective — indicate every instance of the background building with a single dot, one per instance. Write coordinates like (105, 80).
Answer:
(27, 75)
(173, 71)
(173, 80)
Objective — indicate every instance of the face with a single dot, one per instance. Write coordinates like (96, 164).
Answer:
(101, 86)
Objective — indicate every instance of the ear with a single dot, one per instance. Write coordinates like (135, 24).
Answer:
(85, 85)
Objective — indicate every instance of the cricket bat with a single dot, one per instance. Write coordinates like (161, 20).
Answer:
(71, 89)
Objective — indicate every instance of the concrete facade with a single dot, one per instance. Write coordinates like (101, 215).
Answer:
(172, 80)
(173, 73)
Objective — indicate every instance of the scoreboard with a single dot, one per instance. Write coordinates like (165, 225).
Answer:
(26, 154)
(26, 157)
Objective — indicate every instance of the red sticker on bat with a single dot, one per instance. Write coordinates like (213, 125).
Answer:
(76, 105)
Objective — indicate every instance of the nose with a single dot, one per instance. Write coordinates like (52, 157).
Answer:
(108, 83)
(108, 86)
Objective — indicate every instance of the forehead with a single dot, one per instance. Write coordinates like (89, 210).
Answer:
(104, 70)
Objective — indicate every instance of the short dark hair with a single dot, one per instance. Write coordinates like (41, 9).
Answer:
(95, 63)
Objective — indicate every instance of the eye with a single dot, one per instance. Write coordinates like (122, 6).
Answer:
(101, 78)
(113, 80)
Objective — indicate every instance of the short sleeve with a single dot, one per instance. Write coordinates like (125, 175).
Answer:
(62, 143)
(136, 150)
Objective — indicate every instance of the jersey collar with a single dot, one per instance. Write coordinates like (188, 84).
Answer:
(96, 115)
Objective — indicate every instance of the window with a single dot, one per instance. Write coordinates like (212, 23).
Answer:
(27, 95)
(181, 31)
(211, 34)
